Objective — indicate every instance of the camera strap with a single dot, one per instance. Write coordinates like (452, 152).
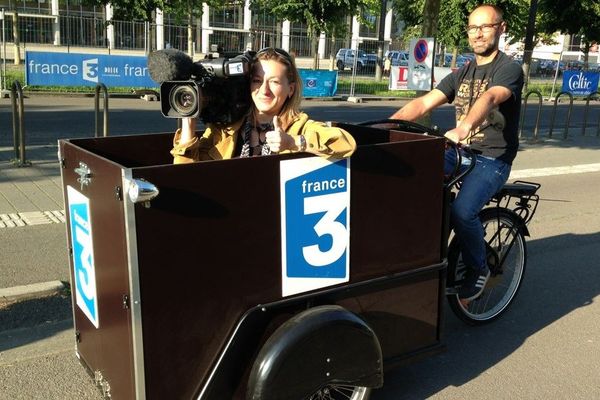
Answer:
(247, 149)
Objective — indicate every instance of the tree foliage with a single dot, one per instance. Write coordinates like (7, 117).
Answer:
(454, 15)
(575, 17)
(128, 10)
(328, 16)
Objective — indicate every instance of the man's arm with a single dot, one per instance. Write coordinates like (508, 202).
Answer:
(478, 112)
(418, 107)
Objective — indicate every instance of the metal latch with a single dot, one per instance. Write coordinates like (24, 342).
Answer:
(85, 174)
(125, 302)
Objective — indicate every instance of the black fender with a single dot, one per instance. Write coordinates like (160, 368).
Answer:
(508, 213)
(321, 345)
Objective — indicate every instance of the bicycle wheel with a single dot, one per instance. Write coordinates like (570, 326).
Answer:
(341, 392)
(506, 257)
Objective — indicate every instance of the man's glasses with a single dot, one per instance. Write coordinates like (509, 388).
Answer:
(485, 28)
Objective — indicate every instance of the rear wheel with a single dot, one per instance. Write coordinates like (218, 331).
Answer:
(506, 258)
(340, 65)
(341, 392)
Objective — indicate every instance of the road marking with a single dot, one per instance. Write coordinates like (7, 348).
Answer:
(552, 171)
(29, 218)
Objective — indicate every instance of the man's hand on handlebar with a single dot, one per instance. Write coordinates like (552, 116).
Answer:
(457, 134)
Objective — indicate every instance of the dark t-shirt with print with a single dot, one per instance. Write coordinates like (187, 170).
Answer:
(465, 85)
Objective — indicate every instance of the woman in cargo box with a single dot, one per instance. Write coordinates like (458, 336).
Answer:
(273, 125)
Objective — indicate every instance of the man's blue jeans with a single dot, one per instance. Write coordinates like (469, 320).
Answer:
(476, 190)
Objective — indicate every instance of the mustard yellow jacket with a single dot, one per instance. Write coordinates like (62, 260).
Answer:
(218, 142)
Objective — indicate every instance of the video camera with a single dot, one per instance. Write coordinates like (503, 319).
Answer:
(212, 89)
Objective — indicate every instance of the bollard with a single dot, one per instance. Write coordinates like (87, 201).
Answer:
(539, 113)
(585, 112)
(16, 92)
(97, 109)
(568, 114)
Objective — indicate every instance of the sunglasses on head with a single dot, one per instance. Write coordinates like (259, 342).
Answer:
(273, 51)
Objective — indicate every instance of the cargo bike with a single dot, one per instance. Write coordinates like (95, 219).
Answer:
(307, 281)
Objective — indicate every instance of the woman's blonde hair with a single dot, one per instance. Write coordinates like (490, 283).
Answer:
(291, 108)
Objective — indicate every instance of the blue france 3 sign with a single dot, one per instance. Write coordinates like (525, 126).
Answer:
(315, 223)
(72, 69)
(83, 255)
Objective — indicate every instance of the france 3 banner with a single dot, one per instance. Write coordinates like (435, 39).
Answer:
(315, 223)
(84, 269)
(72, 69)
(580, 83)
(318, 83)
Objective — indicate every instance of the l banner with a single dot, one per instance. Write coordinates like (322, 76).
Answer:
(399, 77)
(315, 223)
(420, 64)
(580, 83)
(70, 69)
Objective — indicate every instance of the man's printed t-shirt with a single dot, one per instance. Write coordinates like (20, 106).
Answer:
(465, 86)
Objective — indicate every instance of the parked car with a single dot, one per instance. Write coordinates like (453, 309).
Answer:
(398, 57)
(371, 61)
(345, 59)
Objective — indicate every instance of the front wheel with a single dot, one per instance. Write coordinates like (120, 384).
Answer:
(341, 392)
(506, 258)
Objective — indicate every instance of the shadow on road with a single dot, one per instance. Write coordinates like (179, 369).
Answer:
(32, 313)
(562, 276)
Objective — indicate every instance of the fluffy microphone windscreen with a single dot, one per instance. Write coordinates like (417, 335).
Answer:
(169, 65)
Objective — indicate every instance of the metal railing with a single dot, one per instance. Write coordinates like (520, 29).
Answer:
(585, 114)
(99, 87)
(553, 119)
(18, 118)
(524, 110)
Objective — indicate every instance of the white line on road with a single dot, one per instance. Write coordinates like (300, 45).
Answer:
(14, 220)
(551, 171)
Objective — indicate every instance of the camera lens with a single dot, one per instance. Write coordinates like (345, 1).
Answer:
(184, 100)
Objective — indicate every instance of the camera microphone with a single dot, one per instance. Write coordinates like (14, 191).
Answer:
(170, 65)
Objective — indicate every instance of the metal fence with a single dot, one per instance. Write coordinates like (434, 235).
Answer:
(90, 30)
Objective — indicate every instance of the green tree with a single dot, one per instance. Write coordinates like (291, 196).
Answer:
(574, 17)
(320, 16)
(453, 15)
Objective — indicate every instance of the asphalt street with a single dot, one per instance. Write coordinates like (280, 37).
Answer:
(546, 346)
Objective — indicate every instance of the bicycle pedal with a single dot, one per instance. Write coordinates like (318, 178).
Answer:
(451, 291)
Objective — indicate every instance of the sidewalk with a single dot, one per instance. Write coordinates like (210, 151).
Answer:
(31, 196)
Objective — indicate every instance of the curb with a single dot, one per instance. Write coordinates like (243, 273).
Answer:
(32, 291)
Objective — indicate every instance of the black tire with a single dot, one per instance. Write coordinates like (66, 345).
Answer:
(505, 279)
(341, 392)
(340, 65)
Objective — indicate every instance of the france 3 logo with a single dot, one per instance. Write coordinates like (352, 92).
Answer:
(90, 70)
(83, 255)
(315, 223)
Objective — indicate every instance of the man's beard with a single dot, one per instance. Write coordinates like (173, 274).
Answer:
(492, 47)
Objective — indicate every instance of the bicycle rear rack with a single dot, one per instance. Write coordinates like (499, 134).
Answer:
(520, 197)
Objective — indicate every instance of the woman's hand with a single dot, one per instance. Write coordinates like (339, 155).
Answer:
(188, 130)
(278, 140)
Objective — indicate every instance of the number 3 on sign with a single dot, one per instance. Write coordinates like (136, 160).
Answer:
(332, 205)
